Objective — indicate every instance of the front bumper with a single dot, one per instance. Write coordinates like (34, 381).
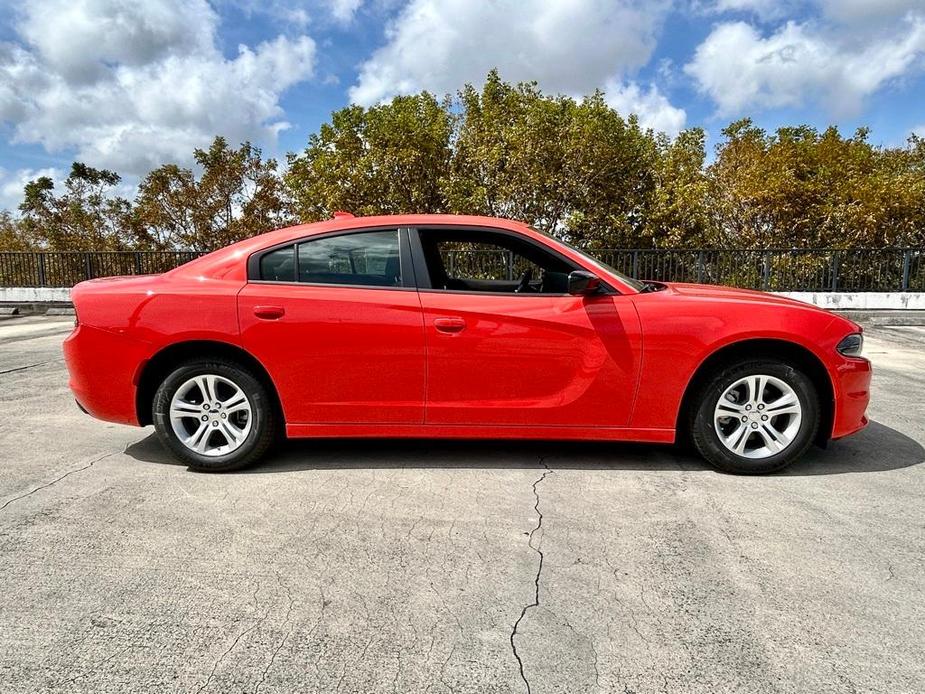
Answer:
(852, 395)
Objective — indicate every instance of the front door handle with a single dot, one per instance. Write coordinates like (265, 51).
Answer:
(449, 325)
(269, 312)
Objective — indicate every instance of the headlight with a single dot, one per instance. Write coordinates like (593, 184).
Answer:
(852, 345)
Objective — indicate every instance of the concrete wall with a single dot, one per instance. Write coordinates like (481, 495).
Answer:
(861, 301)
(842, 301)
(34, 295)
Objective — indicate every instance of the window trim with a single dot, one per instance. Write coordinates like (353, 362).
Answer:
(404, 258)
(423, 274)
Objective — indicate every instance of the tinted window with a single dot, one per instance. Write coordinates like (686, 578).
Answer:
(278, 265)
(485, 261)
(369, 258)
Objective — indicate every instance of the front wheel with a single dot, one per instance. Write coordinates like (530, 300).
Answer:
(755, 417)
(214, 415)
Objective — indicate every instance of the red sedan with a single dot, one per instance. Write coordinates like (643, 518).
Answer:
(455, 327)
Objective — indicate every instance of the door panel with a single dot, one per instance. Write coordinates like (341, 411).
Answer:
(530, 359)
(338, 354)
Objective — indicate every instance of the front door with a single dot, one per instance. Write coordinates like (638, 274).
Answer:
(506, 344)
(338, 326)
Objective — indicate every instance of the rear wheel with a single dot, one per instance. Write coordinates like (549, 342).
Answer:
(214, 415)
(755, 417)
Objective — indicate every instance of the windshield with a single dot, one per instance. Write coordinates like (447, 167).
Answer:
(626, 279)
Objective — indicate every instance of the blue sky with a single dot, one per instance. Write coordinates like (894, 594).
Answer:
(130, 84)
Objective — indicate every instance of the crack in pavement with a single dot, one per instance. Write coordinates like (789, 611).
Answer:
(536, 580)
(28, 366)
(282, 642)
(241, 635)
(58, 479)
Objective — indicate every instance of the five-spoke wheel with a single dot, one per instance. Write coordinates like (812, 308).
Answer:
(755, 416)
(758, 416)
(210, 415)
(215, 415)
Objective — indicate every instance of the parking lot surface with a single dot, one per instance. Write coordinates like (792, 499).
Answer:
(347, 566)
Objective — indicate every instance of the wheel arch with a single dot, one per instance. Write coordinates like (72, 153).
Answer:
(772, 348)
(156, 369)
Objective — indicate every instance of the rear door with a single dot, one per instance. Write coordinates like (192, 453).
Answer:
(337, 323)
(535, 357)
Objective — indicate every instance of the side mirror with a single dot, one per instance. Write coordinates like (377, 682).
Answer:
(581, 283)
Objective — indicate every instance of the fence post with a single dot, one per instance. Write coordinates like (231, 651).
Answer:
(699, 267)
(510, 265)
(137, 262)
(906, 259)
(42, 277)
(834, 271)
(88, 266)
(635, 265)
(766, 271)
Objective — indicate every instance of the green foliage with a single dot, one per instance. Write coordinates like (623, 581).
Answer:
(387, 159)
(238, 194)
(799, 188)
(88, 214)
(574, 168)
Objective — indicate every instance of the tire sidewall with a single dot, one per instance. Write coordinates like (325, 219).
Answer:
(704, 431)
(260, 414)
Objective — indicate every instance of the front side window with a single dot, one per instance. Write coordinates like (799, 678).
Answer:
(370, 259)
(487, 261)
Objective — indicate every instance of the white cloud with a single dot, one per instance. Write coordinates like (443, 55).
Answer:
(570, 46)
(740, 69)
(344, 10)
(650, 106)
(13, 182)
(845, 11)
(130, 84)
(867, 10)
(765, 9)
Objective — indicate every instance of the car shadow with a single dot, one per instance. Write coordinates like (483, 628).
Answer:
(878, 448)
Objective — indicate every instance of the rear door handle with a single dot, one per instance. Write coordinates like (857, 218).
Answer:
(269, 312)
(450, 325)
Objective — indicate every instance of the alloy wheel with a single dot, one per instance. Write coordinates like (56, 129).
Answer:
(211, 415)
(758, 416)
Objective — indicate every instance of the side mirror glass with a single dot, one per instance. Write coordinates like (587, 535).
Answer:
(581, 283)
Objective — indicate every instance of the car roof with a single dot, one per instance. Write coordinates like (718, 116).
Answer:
(225, 263)
(401, 220)
(229, 263)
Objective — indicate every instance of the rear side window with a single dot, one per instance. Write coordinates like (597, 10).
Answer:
(370, 259)
(278, 265)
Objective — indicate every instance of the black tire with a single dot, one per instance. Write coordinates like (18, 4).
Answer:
(263, 425)
(703, 430)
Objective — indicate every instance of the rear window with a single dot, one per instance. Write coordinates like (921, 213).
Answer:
(278, 265)
(369, 258)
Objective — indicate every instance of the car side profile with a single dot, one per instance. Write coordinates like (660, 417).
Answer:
(455, 327)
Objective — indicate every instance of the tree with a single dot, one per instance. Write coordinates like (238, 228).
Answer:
(388, 159)
(237, 195)
(799, 188)
(679, 213)
(12, 237)
(577, 169)
(88, 215)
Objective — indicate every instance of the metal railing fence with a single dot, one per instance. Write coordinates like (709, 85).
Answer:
(812, 270)
(67, 268)
(817, 270)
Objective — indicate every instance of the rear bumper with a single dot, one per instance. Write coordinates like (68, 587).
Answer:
(852, 395)
(103, 367)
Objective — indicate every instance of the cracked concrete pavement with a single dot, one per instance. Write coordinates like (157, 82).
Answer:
(454, 567)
